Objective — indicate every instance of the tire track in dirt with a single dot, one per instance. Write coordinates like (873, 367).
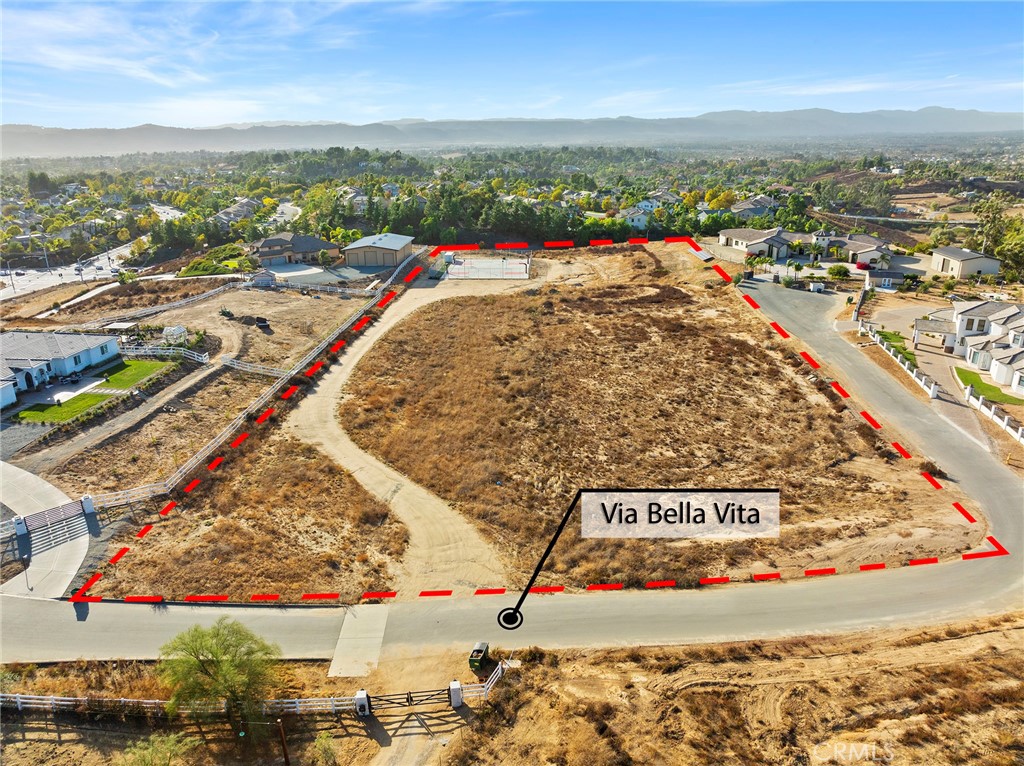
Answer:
(445, 550)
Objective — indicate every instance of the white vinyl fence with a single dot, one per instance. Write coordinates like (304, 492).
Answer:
(931, 387)
(991, 411)
(124, 497)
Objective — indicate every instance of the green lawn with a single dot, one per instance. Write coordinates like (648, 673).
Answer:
(53, 413)
(990, 392)
(898, 342)
(128, 372)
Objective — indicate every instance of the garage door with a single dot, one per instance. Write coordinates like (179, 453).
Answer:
(277, 260)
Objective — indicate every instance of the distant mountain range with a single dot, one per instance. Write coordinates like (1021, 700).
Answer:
(821, 124)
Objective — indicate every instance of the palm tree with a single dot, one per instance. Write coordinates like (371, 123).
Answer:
(790, 264)
(884, 259)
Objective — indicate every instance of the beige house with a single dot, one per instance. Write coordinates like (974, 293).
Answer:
(379, 250)
(959, 262)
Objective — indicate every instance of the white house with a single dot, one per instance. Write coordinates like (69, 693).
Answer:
(28, 360)
(636, 217)
(959, 262)
(781, 244)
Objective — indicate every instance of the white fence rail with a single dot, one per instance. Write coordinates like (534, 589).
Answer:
(142, 313)
(160, 351)
(991, 411)
(314, 705)
(113, 499)
(256, 369)
(310, 288)
(128, 496)
(930, 386)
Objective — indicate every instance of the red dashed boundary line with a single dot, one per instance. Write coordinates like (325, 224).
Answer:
(80, 595)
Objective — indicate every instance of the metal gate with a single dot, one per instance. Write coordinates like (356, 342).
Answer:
(409, 699)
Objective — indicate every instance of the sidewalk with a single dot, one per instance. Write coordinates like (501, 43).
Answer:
(51, 571)
(948, 404)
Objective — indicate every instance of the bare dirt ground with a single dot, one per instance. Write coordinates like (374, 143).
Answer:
(445, 550)
(134, 296)
(280, 519)
(154, 448)
(651, 374)
(948, 695)
(42, 300)
(297, 322)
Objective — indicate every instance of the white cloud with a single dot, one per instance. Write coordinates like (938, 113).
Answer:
(96, 40)
(631, 98)
(869, 84)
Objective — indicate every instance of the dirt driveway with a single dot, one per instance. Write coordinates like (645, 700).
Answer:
(445, 550)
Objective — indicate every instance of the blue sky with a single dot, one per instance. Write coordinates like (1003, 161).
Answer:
(116, 64)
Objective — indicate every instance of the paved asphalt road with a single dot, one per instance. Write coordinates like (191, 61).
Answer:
(47, 630)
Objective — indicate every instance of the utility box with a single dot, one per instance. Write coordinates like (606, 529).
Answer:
(88, 505)
(478, 657)
(363, 708)
(455, 694)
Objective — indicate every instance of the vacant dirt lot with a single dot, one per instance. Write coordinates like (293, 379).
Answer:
(948, 695)
(134, 296)
(505, 405)
(154, 449)
(297, 322)
(43, 300)
(943, 697)
(277, 518)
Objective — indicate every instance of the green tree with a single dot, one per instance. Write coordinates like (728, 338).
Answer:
(159, 750)
(225, 663)
(991, 214)
(325, 259)
(838, 271)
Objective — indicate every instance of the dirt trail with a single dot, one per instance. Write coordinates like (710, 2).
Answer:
(445, 550)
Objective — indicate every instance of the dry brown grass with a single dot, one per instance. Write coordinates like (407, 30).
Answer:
(775, 702)
(42, 300)
(137, 295)
(152, 450)
(278, 517)
(631, 382)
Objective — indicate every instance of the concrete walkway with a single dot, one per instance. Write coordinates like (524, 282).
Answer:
(49, 572)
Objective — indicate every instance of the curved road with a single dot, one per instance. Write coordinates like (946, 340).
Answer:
(48, 630)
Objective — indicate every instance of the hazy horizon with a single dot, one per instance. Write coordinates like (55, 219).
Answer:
(207, 64)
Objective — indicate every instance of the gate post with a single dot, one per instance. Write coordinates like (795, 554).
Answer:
(455, 694)
(88, 505)
(362, 703)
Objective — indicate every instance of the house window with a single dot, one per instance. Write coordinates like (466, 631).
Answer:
(970, 324)
(103, 348)
(49, 367)
(77, 359)
(981, 325)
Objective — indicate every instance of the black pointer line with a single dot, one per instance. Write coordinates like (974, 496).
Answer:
(511, 618)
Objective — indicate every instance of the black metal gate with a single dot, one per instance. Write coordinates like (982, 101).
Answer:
(409, 699)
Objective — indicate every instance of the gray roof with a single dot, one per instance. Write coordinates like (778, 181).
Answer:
(886, 274)
(18, 349)
(934, 325)
(298, 243)
(960, 253)
(1011, 356)
(383, 241)
(980, 308)
(749, 235)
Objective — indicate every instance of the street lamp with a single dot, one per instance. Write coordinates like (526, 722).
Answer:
(24, 561)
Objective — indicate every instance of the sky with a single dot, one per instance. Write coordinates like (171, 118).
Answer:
(191, 64)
